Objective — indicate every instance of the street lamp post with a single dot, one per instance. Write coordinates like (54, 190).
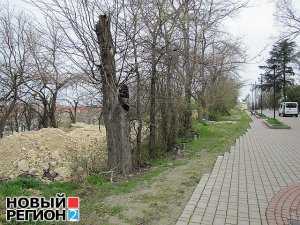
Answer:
(274, 92)
(261, 94)
(255, 99)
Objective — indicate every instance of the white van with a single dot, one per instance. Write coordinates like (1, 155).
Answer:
(288, 108)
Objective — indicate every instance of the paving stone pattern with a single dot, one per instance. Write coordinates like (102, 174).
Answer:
(244, 181)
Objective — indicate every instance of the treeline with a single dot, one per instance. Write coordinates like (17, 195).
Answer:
(149, 63)
(279, 75)
(278, 81)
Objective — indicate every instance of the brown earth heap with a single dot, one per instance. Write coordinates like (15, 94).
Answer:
(51, 153)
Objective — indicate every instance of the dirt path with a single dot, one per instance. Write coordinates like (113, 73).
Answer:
(163, 200)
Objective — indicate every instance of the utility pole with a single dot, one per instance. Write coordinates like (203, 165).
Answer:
(274, 92)
(284, 81)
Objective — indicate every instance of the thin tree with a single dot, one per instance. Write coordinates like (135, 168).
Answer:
(14, 59)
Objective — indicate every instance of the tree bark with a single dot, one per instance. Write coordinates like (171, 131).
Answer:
(137, 155)
(51, 112)
(44, 118)
(115, 117)
(4, 118)
(2, 126)
(171, 132)
(152, 136)
(188, 74)
(16, 120)
(75, 111)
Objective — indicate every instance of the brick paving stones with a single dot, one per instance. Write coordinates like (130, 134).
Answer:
(284, 208)
(262, 163)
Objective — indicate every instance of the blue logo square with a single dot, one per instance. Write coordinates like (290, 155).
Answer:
(73, 215)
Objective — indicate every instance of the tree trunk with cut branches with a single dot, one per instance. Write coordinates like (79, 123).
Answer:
(115, 116)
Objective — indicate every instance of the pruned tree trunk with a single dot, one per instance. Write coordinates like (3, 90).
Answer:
(115, 116)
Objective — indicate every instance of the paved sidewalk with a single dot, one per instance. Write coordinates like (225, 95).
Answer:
(244, 180)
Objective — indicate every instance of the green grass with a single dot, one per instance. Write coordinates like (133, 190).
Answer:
(91, 192)
(218, 137)
(18, 187)
(274, 123)
(125, 186)
(25, 186)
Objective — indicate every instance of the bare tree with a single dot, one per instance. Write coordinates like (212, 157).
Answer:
(115, 116)
(165, 52)
(49, 74)
(82, 48)
(289, 16)
(13, 61)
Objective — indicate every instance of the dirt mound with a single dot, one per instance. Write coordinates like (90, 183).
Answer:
(51, 153)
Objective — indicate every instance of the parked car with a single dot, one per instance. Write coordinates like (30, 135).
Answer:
(288, 108)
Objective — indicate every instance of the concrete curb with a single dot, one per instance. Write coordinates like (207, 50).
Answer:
(276, 126)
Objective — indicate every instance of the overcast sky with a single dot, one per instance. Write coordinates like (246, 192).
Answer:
(259, 30)
(255, 25)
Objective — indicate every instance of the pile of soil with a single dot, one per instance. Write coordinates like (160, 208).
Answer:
(51, 153)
